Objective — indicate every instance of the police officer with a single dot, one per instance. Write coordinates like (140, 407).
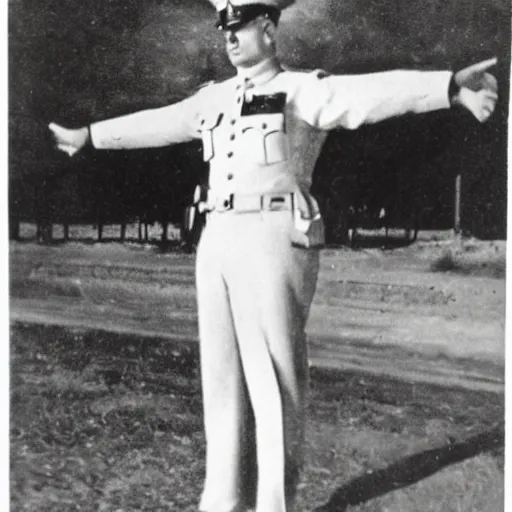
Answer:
(257, 260)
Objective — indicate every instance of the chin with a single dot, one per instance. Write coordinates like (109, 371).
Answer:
(238, 61)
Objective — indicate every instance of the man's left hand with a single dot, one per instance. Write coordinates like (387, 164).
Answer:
(478, 89)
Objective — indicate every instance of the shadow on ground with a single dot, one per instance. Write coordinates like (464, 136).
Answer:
(411, 470)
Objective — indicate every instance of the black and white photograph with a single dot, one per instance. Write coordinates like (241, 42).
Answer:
(257, 255)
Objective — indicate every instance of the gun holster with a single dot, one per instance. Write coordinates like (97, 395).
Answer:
(308, 226)
(193, 218)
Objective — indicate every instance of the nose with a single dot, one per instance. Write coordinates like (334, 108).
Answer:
(231, 37)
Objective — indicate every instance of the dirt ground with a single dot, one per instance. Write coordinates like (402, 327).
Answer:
(428, 311)
(407, 367)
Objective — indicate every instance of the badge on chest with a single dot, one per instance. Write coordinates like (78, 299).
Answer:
(264, 104)
(258, 136)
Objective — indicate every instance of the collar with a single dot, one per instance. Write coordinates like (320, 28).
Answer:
(260, 73)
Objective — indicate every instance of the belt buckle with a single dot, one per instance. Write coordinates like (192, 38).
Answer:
(276, 202)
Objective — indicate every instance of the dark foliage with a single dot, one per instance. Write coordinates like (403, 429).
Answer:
(77, 62)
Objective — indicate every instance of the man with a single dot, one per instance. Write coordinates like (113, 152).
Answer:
(257, 260)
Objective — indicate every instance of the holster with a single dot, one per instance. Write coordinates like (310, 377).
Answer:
(308, 225)
(194, 218)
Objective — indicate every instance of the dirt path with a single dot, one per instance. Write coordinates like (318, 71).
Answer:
(382, 313)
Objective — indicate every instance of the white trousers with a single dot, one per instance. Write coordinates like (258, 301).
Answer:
(254, 295)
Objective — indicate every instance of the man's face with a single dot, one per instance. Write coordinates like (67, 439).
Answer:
(248, 45)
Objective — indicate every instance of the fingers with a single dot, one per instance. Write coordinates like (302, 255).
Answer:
(480, 103)
(484, 65)
(70, 150)
(62, 141)
(486, 113)
(55, 128)
(487, 105)
(57, 131)
(490, 82)
(488, 99)
(490, 94)
(476, 77)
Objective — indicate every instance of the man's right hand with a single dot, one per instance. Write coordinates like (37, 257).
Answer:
(70, 140)
(478, 89)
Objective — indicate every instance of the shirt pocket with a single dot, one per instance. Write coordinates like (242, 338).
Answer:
(208, 125)
(264, 137)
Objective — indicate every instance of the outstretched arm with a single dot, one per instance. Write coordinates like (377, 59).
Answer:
(339, 101)
(146, 129)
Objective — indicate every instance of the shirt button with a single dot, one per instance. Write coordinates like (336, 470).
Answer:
(233, 121)
(230, 154)
(230, 176)
(264, 126)
(232, 136)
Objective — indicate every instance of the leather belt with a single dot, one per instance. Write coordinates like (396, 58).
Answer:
(248, 203)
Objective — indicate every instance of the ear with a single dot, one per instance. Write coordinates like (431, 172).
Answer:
(269, 32)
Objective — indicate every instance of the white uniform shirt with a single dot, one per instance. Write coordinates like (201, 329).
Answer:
(274, 152)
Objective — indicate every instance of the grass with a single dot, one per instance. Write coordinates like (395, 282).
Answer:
(446, 262)
(469, 259)
(101, 422)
